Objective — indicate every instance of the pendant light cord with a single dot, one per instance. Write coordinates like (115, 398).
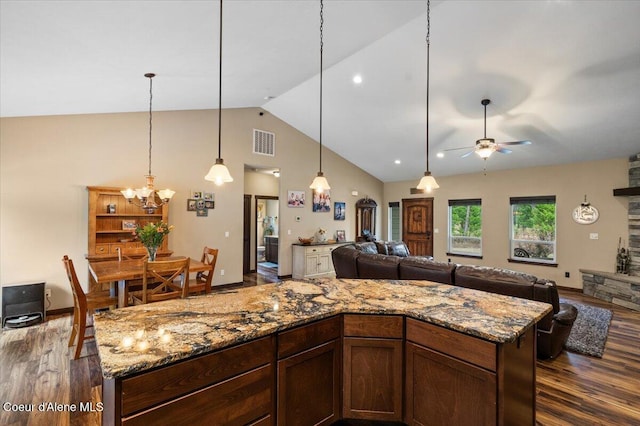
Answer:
(428, 43)
(485, 121)
(321, 49)
(220, 91)
(150, 76)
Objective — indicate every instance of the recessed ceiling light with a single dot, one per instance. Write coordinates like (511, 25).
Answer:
(440, 155)
(357, 79)
(397, 161)
(269, 97)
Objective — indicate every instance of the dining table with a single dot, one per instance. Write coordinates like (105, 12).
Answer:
(118, 273)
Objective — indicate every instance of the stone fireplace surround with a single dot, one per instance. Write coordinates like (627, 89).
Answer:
(620, 289)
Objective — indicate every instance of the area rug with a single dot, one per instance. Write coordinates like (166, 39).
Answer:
(590, 330)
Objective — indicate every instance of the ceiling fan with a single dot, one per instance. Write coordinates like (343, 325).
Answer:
(486, 146)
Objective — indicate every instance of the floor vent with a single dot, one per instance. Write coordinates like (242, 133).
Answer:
(264, 143)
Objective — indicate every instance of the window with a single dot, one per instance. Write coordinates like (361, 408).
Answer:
(533, 229)
(394, 221)
(465, 227)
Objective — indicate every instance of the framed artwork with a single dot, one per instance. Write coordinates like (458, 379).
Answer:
(202, 212)
(191, 205)
(207, 196)
(295, 198)
(321, 201)
(111, 209)
(340, 236)
(338, 210)
(200, 205)
(196, 195)
(209, 204)
(129, 225)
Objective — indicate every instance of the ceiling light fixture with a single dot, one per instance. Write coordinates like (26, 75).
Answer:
(320, 183)
(219, 173)
(428, 182)
(357, 79)
(276, 173)
(147, 194)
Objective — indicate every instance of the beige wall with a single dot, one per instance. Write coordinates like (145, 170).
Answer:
(569, 183)
(47, 162)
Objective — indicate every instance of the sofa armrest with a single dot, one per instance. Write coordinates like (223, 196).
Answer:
(567, 314)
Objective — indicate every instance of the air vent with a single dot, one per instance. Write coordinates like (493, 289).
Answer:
(264, 143)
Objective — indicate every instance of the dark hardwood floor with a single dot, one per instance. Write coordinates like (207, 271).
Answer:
(36, 366)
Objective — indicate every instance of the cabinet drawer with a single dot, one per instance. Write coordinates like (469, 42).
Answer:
(464, 347)
(387, 326)
(239, 400)
(113, 248)
(308, 336)
(148, 389)
(318, 249)
(102, 248)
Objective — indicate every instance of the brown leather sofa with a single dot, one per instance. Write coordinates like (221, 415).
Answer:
(369, 260)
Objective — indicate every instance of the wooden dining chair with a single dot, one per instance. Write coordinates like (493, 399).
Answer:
(84, 304)
(202, 281)
(163, 280)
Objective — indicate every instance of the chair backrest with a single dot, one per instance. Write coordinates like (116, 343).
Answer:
(209, 257)
(163, 275)
(79, 297)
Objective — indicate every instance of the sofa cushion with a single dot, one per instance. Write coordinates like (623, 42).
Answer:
(495, 280)
(367, 247)
(382, 247)
(398, 248)
(377, 266)
(424, 268)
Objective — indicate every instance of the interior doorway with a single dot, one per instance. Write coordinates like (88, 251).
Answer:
(267, 212)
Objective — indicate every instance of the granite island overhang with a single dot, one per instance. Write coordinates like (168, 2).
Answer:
(265, 354)
(141, 337)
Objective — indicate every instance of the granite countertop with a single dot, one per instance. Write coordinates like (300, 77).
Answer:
(137, 338)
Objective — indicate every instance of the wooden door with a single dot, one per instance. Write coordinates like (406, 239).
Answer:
(417, 225)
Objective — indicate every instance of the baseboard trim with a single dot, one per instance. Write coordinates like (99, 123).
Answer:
(573, 289)
(61, 311)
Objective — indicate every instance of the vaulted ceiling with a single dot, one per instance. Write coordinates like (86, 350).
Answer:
(563, 74)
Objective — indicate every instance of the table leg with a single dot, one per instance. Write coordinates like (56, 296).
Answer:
(123, 294)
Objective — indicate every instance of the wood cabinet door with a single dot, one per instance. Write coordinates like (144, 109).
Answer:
(372, 379)
(441, 390)
(309, 386)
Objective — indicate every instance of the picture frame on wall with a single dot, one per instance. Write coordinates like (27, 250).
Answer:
(339, 210)
(200, 204)
(196, 195)
(202, 212)
(341, 236)
(191, 205)
(321, 201)
(209, 204)
(295, 199)
(207, 196)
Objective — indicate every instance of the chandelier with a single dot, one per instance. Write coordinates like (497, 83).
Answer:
(428, 182)
(218, 173)
(320, 183)
(147, 194)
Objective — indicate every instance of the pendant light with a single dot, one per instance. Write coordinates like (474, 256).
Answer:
(320, 183)
(428, 182)
(219, 173)
(147, 194)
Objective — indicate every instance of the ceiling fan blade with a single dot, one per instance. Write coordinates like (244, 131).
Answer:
(456, 149)
(503, 150)
(468, 153)
(516, 143)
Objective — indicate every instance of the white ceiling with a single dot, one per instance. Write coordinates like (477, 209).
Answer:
(563, 74)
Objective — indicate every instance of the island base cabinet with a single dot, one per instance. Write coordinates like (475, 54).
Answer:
(441, 390)
(309, 386)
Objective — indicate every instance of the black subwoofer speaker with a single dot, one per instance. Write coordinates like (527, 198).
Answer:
(22, 305)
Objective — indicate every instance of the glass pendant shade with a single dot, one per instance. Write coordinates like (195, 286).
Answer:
(486, 148)
(428, 183)
(320, 183)
(218, 173)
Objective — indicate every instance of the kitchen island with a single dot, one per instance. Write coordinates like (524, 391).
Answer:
(316, 352)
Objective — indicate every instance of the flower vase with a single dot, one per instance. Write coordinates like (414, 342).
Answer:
(152, 251)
